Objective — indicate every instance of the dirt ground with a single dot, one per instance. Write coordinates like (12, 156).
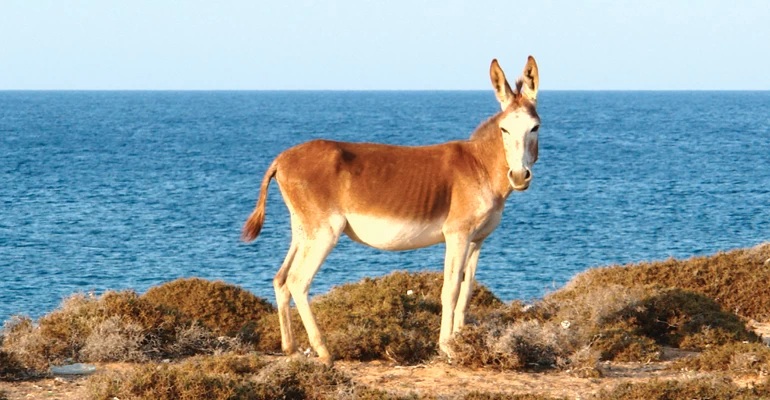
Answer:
(439, 379)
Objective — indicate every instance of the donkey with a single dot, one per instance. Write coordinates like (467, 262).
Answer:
(401, 198)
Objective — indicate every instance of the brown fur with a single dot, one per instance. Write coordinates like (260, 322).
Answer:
(254, 224)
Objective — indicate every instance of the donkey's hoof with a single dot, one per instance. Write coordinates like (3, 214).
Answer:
(446, 353)
(291, 352)
(327, 360)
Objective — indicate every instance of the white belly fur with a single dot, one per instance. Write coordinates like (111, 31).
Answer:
(393, 234)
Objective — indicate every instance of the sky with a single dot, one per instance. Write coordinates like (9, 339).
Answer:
(382, 44)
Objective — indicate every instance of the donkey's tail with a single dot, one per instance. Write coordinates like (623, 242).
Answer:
(253, 225)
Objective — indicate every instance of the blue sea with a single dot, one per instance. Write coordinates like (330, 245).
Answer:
(116, 190)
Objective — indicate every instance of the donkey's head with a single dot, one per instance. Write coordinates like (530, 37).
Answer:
(519, 121)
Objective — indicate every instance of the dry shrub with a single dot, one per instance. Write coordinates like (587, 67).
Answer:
(520, 345)
(228, 363)
(631, 323)
(736, 358)
(302, 379)
(583, 363)
(115, 340)
(395, 317)
(684, 389)
(23, 343)
(222, 308)
(117, 326)
(737, 279)
(684, 319)
(189, 380)
(10, 368)
(599, 320)
(609, 322)
(194, 339)
(68, 328)
(621, 344)
(231, 376)
(471, 349)
(573, 334)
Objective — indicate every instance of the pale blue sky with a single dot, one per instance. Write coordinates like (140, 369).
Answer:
(393, 44)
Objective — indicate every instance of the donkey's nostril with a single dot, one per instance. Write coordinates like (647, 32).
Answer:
(527, 174)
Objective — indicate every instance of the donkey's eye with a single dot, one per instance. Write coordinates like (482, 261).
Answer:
(536, 128)
(504, 130)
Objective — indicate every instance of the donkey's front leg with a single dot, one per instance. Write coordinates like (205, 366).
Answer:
(466, 289)
(454, 266)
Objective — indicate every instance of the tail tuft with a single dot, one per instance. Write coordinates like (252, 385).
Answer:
(253, 225)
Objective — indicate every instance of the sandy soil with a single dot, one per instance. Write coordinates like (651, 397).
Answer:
(439, 379)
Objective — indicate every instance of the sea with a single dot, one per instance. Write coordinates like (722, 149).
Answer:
(113, 190)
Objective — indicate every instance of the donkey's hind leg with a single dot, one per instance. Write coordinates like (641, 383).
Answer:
(311, 254)
(282, 298)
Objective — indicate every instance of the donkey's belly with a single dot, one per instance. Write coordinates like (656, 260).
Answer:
(393, 234)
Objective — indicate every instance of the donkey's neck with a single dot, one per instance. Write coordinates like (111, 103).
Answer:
(487, 145)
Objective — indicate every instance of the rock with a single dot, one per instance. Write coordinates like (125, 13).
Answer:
(74, 369)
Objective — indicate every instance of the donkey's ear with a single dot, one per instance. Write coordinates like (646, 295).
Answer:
(530, 80)
(500, 84)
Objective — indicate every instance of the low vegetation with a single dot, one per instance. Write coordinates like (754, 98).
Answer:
(10, 368)
(609, 323)
(736, 358)
(123, 326)
(627, 314)
(395, 317)
(736, 280)
(222, 308)
(232, 377)
(606, 314)
(706, 388)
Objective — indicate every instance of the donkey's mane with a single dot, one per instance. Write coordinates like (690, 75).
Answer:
(488, 127)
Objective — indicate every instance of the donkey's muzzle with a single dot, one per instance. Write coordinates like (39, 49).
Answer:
(520, 179)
